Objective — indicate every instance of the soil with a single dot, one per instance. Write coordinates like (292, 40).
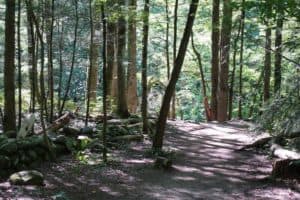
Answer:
(206, 165)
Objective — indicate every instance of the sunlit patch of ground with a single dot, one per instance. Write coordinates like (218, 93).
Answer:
(206, 166)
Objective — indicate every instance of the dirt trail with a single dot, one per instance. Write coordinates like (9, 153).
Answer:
(207, 166)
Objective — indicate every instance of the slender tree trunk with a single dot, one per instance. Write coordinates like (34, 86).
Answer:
(31, 61)
(173, 113)
(73, 59)
(231, 89)
(160, 128)
(9, 121)
(111, 53)
(122, 109)
(240, 112)
(267, 64)
(203, 82)
(61, 47)
(215, 57)
(104, 84)
(224, 65)
(89, 78)
(19, 66)
(132, 98)
(144, 106)
(49, 34)
(95, 45)
(278, 49)
(167, 39)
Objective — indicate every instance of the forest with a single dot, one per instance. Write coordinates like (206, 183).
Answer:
(149, 99)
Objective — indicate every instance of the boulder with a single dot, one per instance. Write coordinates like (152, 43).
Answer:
(31, 177)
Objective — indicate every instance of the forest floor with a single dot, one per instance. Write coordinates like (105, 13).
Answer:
(207, 165)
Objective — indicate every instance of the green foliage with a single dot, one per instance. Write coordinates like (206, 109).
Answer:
(283, 112)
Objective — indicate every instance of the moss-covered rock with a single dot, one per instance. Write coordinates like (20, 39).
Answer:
(31, 177)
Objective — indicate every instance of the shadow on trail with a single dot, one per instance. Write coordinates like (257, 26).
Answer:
(206, 166)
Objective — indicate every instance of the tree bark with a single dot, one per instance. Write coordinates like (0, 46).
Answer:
(104, 71)
(224, 65)
(132, 98)
(73, 59)
(240, 112)
(267, 64)
(231, 89)
(215, 57)
(9, 121)
(278, 49)
(122, 109)
(19, 67)
(160, 128)
(144, 106)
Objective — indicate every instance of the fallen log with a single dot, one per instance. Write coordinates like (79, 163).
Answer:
(162, 162)
(257, 144)
(127, 138)
(59, 123)
(282, 153)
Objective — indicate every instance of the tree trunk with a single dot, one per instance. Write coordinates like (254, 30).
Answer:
(144, 106)
(19, 67)
(231, 89)
(160, 128)
(89, 75)
(224, 65)
(173, 110)
(132, 98)
(240, 113)
(9, 121)
(167, 40)
(104, 71)
(95, 46)
(278, 49)
(122, 109)
(61, 47)
(49, 34)
(203, 82)
(267, 64)
(73, 60)
(215, 46)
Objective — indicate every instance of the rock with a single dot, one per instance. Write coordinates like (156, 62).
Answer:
(31, 177)
(70, 131)
(4, 162)
(162, 162)
(87, 131)
(10, 147)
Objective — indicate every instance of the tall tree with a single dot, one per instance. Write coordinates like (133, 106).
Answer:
(173, 113)
(224, 64)
(104, 103)
(268, 43)
(160, 128)
(144, 106)
(9, 121)
(122, 109)
(73, 59)
(215, 57)
(232, 81)
(89, 76)
(241, 61)
(19, 67)
(132, 98)
(167, 39)
(278, 47)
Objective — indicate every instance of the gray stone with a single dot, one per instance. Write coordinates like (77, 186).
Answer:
(31, 177)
